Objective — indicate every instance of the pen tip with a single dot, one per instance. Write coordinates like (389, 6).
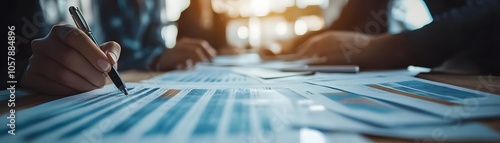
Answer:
(124, 90)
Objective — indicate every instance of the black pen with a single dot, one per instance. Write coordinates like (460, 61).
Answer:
(82, 25)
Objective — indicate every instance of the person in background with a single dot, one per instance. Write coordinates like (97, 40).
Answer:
(354, 16)
(200, 21)
(136, 24)
(461, 39)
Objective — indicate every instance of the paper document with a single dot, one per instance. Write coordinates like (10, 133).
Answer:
(235, 60)
(443, 100)
(345, 76)
(189, 113)
(203, 74)
(459, 131)
(367, 109)
(155, 113)
(268, 73)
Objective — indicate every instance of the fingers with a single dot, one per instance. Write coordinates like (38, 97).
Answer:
(67, 61)
(112, 51)
(200, 54)
(186, 53)
(306, 49)
(173, 59)
(71, 59)
(190, 52)
(188, 64)
(317, 44)
(205, 47)
(79, 41)
(58, 73)
(45, 85)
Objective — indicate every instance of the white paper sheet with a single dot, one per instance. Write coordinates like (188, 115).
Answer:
(235, 60)
(204, 74)
(366, 109)
(345, 76)
(463, 103)
(188, 113)
(460, 131)
(268, 73)
(159, 113)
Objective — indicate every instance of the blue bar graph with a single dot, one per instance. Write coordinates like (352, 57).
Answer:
(439, 90)
(240, 118)
(40, 132)
(417, 92)
(137, 117)
(290, 93)
(105, 115)
(358, 102)
(210, 118)
(168, 121)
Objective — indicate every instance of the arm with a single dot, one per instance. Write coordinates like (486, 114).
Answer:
(473, 26)
(137, 26)
(141, 40)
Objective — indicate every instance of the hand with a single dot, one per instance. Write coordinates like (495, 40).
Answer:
(67, 62)
(350, 48)
(184, 55)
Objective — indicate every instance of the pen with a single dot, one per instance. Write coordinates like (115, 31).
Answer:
(82, 25)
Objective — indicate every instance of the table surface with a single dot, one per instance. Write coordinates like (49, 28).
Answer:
(484, 83)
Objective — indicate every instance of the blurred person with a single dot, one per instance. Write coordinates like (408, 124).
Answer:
(354, 16)
(200, 21)
(136, 24)
(463, 37)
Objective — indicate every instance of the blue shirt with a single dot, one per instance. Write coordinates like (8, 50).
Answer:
(136, 25)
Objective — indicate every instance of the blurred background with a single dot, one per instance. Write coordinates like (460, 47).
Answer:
(247, 24)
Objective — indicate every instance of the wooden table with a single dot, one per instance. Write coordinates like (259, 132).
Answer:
(483, 83)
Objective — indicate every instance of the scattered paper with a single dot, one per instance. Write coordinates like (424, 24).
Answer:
(156, 113)
(440, 99)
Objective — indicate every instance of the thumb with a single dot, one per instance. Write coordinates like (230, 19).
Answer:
(112, 51)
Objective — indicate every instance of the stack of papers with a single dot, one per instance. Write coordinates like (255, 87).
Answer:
(235, 104)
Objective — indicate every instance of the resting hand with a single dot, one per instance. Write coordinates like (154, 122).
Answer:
(350, 48)
(185, 54)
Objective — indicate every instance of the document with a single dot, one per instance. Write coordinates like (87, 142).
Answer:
(190, 113)
(204, 74)
(158, 113)
(456, 132)
(443, 100)
(235, 60)
(344, 76)
(367, 109)
(269, 73)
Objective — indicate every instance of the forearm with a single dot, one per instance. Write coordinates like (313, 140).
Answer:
(455, 31)
(138, 59)
(140, 40)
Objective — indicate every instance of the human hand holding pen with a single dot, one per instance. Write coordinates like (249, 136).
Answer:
(67, 62)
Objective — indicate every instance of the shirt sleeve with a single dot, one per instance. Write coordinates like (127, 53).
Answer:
(473, 27)
(136, 27)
